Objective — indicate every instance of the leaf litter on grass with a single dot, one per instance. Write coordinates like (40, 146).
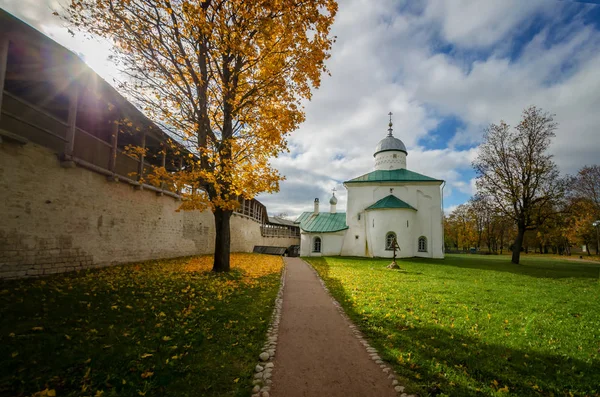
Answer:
(154, 328)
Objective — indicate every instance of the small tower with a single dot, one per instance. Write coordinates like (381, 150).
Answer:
(333, 203)
(316, 211)
(390, 153)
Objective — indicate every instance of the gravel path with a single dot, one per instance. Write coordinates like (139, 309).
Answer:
(318, 353)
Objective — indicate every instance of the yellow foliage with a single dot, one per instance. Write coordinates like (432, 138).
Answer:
(227, 78)
(253, 266)
(45, 393)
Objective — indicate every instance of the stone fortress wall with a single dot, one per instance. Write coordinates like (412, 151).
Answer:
(55, 219)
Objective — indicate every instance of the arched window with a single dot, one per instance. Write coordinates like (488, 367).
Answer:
(317, 244)
(389, 241)
(422, 244)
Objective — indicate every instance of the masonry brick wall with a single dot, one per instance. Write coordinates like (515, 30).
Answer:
(55, 219)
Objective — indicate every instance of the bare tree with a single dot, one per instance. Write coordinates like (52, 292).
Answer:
(515, 170)
(586, 184)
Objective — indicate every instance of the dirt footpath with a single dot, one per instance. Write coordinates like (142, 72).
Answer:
(317, 354)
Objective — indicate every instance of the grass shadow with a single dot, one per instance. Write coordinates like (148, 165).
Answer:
(463, 365)
(532, 267)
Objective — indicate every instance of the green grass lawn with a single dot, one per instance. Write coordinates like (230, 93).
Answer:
(152, 329)
(477, 325)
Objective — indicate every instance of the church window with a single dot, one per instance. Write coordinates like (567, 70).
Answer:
(317, 244)
(395, 155)
(389, 241)
(359, 217)
(422, 244)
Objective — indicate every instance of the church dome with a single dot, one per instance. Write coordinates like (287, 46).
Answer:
(333, 200)
(389, 143)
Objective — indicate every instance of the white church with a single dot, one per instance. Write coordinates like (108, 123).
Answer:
(386, 205)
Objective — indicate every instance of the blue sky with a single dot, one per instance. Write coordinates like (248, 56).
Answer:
(445, 68)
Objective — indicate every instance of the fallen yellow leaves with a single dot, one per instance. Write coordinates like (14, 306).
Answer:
(252, 265)
(147, 374)
(148, 322)
(45, 393)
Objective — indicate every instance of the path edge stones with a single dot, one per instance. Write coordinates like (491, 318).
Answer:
(371, 351)
(263, 371)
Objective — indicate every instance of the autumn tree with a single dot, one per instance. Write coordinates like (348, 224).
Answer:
(481, 214)
(460, 228)
(584, 200)
(516, 171)
(226, 77)
(552, 234)
(503, 231)
(491, 226)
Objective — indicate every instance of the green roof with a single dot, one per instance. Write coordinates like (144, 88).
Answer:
(401, 175)
(323, 222)
(390, 202)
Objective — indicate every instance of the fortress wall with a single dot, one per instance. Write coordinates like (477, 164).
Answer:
(55, 219)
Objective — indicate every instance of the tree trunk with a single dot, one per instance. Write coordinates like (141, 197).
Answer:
(567, 247)
(222, 240)
(587, 247)
(516, 254)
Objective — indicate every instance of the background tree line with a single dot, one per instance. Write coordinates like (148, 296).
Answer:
(567, 221)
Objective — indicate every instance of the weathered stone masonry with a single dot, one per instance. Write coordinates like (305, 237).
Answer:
(55, 219)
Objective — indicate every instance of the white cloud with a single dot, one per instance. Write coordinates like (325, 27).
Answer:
(476, 23)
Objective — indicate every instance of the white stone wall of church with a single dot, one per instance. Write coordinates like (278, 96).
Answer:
(58, 219)
(426, 197)
(399, 221)
(387, 161)
(331, 243)
(306, 244)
